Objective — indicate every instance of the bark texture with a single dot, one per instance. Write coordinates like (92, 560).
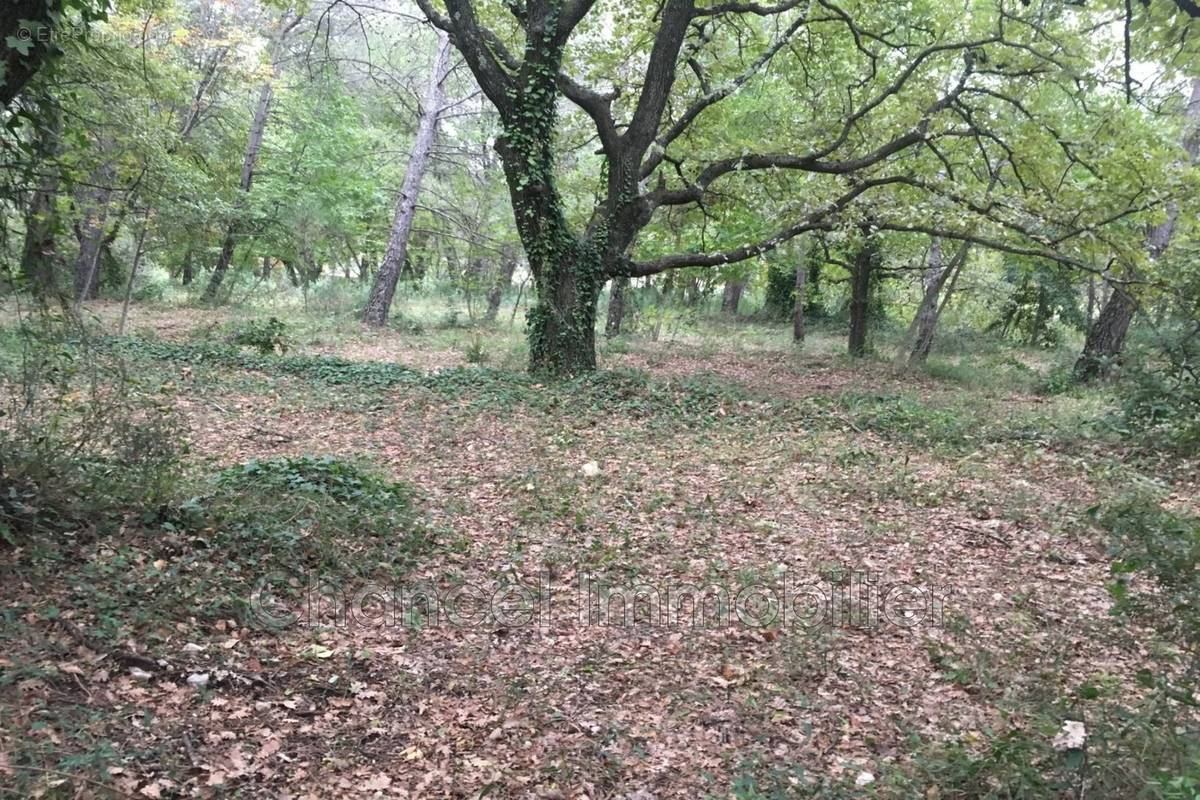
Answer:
(731, 298)
(865, 262)
(616, 307)
(798, 302)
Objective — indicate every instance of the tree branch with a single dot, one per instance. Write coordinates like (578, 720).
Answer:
(813, 221)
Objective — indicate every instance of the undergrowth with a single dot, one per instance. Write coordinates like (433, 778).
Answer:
(630, 393)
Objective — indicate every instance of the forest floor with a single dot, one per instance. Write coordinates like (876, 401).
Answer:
(929, 537)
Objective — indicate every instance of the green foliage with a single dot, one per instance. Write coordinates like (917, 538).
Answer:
(1161, 396)
(1059, 380)
(909, 418)
(630, 393)
(1042, 295)
(80, 446)
(310, 513)
(264, 335)
(1150, 538)
(1158, 736)
(475, 352)
(781, 291)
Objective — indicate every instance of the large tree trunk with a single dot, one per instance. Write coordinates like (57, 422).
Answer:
(39, 254)
(865, 262)
(26, 43)
(731, 299)
(1106, 337)
(568, 270)
(383, 290)
(92, 232)
(616, 307)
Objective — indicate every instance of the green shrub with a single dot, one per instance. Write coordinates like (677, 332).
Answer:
(475, 352)
(308, 512)
(264, 335)
(1059, 380)
(1163, 406)
(80, 447)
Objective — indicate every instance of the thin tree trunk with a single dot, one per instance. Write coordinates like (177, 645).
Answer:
(812, 302)
(379, 302)
(1091, 303)
(798, 303)
(1040, 317)
(1106, 338)
(188, 271)
(616, 307)
(258, 127)
(133, 270)
(502, 282)
(938, 285)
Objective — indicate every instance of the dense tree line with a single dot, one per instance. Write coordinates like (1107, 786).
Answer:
(1039, 153)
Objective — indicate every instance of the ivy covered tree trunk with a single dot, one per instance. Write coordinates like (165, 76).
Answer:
(39, 254)
(379, 303)
(865, 261)
(568, 270)
(616, 307)
(27, 42)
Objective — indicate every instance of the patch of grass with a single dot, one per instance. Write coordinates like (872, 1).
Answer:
(908, 418)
